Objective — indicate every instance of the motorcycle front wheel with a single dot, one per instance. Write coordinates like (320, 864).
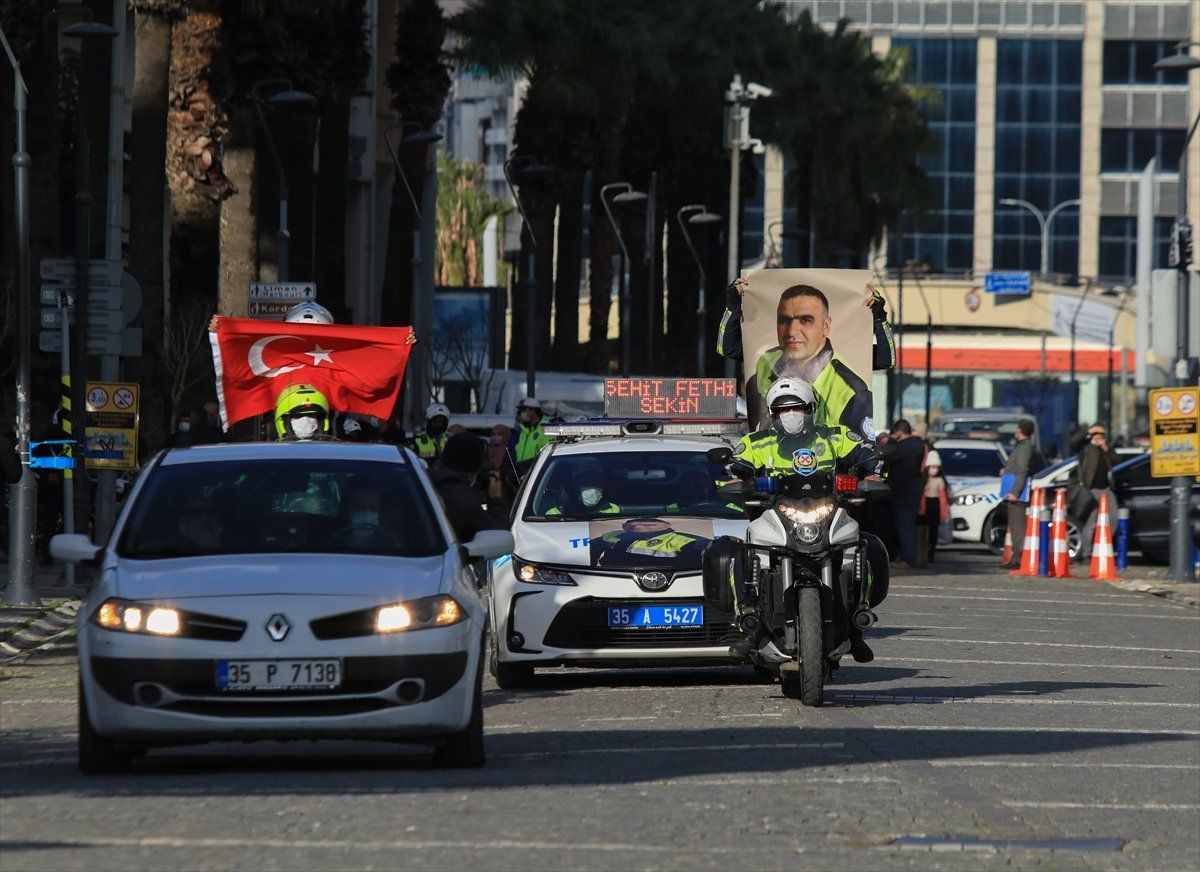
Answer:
(808, 685)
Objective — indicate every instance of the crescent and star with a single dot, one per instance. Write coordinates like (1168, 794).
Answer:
(258, 367)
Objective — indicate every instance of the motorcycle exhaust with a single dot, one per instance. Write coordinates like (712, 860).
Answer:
(864, 618)
(768, 652)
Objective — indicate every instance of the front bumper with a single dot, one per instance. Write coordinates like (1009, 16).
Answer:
(967, 521)
(550, 624)
(408, 685)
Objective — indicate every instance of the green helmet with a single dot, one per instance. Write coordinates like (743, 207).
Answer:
(300, 401)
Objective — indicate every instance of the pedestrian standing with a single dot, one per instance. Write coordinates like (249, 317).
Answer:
(936, 507)
(1021, 466)
(528, 439)
(903, 455)
(1091, 479)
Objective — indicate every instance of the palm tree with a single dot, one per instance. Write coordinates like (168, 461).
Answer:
(852, 124)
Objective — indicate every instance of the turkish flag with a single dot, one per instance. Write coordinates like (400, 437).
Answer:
(358, 369)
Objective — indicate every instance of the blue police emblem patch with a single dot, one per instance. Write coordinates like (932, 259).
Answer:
(868, 428)
(804, 461)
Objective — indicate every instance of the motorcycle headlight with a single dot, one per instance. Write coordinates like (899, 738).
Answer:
(805, 511)
(808, 533)
(532, 573)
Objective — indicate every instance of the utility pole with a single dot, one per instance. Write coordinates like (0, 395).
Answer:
(23, 494)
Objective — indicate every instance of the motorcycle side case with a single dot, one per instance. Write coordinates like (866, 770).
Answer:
(877, 556)
(722, 557)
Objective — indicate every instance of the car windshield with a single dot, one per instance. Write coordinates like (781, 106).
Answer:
(275, 506)
(971, 462)
(585, 487)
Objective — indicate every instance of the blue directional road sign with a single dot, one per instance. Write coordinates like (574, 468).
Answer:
(1007, 282)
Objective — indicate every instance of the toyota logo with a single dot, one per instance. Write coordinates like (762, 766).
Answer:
(653, 581)
(277, 627)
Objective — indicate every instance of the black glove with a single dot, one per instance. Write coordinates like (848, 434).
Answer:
(878, 306)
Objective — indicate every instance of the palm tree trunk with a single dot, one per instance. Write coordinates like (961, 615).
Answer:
(683, 285)
(329, 229)
(543, 222)
(600, 284)
(566, 293)
(239, 217)
(147, 210)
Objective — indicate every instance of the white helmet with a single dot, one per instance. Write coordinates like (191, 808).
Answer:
(529, 403)
(436, 410)
(792, 392)
(313, 313)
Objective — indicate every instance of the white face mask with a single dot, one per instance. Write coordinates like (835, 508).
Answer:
(305, 428)
(370, 519)
(184, 426)
(793, 422)
(590, 496)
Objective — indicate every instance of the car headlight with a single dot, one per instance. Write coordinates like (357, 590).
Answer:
(968, 499)
(421, 614)
(115, 614)
(532, 573)
(805, 511)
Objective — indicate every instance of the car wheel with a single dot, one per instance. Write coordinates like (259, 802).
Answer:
(1074, 540)
(509, 676)
(97, 755)
(464, 749)
(994, 528)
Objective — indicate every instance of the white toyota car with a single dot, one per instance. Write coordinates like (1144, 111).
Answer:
(610, 528)
(298, 590)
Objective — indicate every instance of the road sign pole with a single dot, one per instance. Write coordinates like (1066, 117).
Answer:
(68, 475)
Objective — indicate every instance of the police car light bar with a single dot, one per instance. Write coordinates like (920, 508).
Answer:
(644, 427)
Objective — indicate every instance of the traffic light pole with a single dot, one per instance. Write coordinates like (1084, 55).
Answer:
(1181, 486)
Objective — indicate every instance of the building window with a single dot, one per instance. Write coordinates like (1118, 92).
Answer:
(1118, 246)
(1038, 97)
(1131, 62)
(943, 237)
(1128, 151)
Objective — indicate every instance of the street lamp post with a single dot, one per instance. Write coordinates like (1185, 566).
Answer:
(697, 214)
(1181, 556)
(22, 494)
(517, 173)
(1044, 221)
(422, 303)
(288, 96)
(627, 196)
(737, 128)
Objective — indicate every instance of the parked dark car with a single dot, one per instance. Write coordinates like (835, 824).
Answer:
(1149, 502)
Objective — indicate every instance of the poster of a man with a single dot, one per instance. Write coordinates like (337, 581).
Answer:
(787, 329)
(649, 542)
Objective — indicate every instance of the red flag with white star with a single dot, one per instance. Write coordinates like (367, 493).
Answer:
(358, 369)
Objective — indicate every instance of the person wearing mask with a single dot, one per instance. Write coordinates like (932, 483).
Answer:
(429, 442)
(301, 414)
(648, 542)
(1023, 462)
(793, 442)
(497, 447)
(453, 475)
(903, 456)
(1092, 474)
(212, 420)
(936, 510)
(585, 497)
(803, 324)
(528, 438)
(181, 434)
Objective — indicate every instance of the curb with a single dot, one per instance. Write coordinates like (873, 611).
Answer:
(1175, 596)
(42, 630)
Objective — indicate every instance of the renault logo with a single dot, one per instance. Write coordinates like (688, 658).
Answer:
(277, 627)
(653, 581)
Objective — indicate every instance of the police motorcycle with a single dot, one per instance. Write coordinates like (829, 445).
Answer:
(805, 571)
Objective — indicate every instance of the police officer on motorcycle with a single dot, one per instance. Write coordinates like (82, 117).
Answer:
(794, 443)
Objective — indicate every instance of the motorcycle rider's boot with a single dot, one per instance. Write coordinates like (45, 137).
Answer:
(744, 646)
(751, 634)
(859, 649)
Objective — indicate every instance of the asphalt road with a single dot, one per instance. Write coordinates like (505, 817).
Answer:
(1005, 724)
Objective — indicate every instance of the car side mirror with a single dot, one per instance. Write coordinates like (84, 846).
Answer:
(74, 548)
(721, 455)
(490, 544)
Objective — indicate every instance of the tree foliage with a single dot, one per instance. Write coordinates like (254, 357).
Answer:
(463, 209)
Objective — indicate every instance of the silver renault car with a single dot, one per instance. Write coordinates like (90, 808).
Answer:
(299, 590)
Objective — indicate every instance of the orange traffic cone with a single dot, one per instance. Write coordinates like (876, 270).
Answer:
(1102, 546)
(1060, 558)
(1029, 555)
